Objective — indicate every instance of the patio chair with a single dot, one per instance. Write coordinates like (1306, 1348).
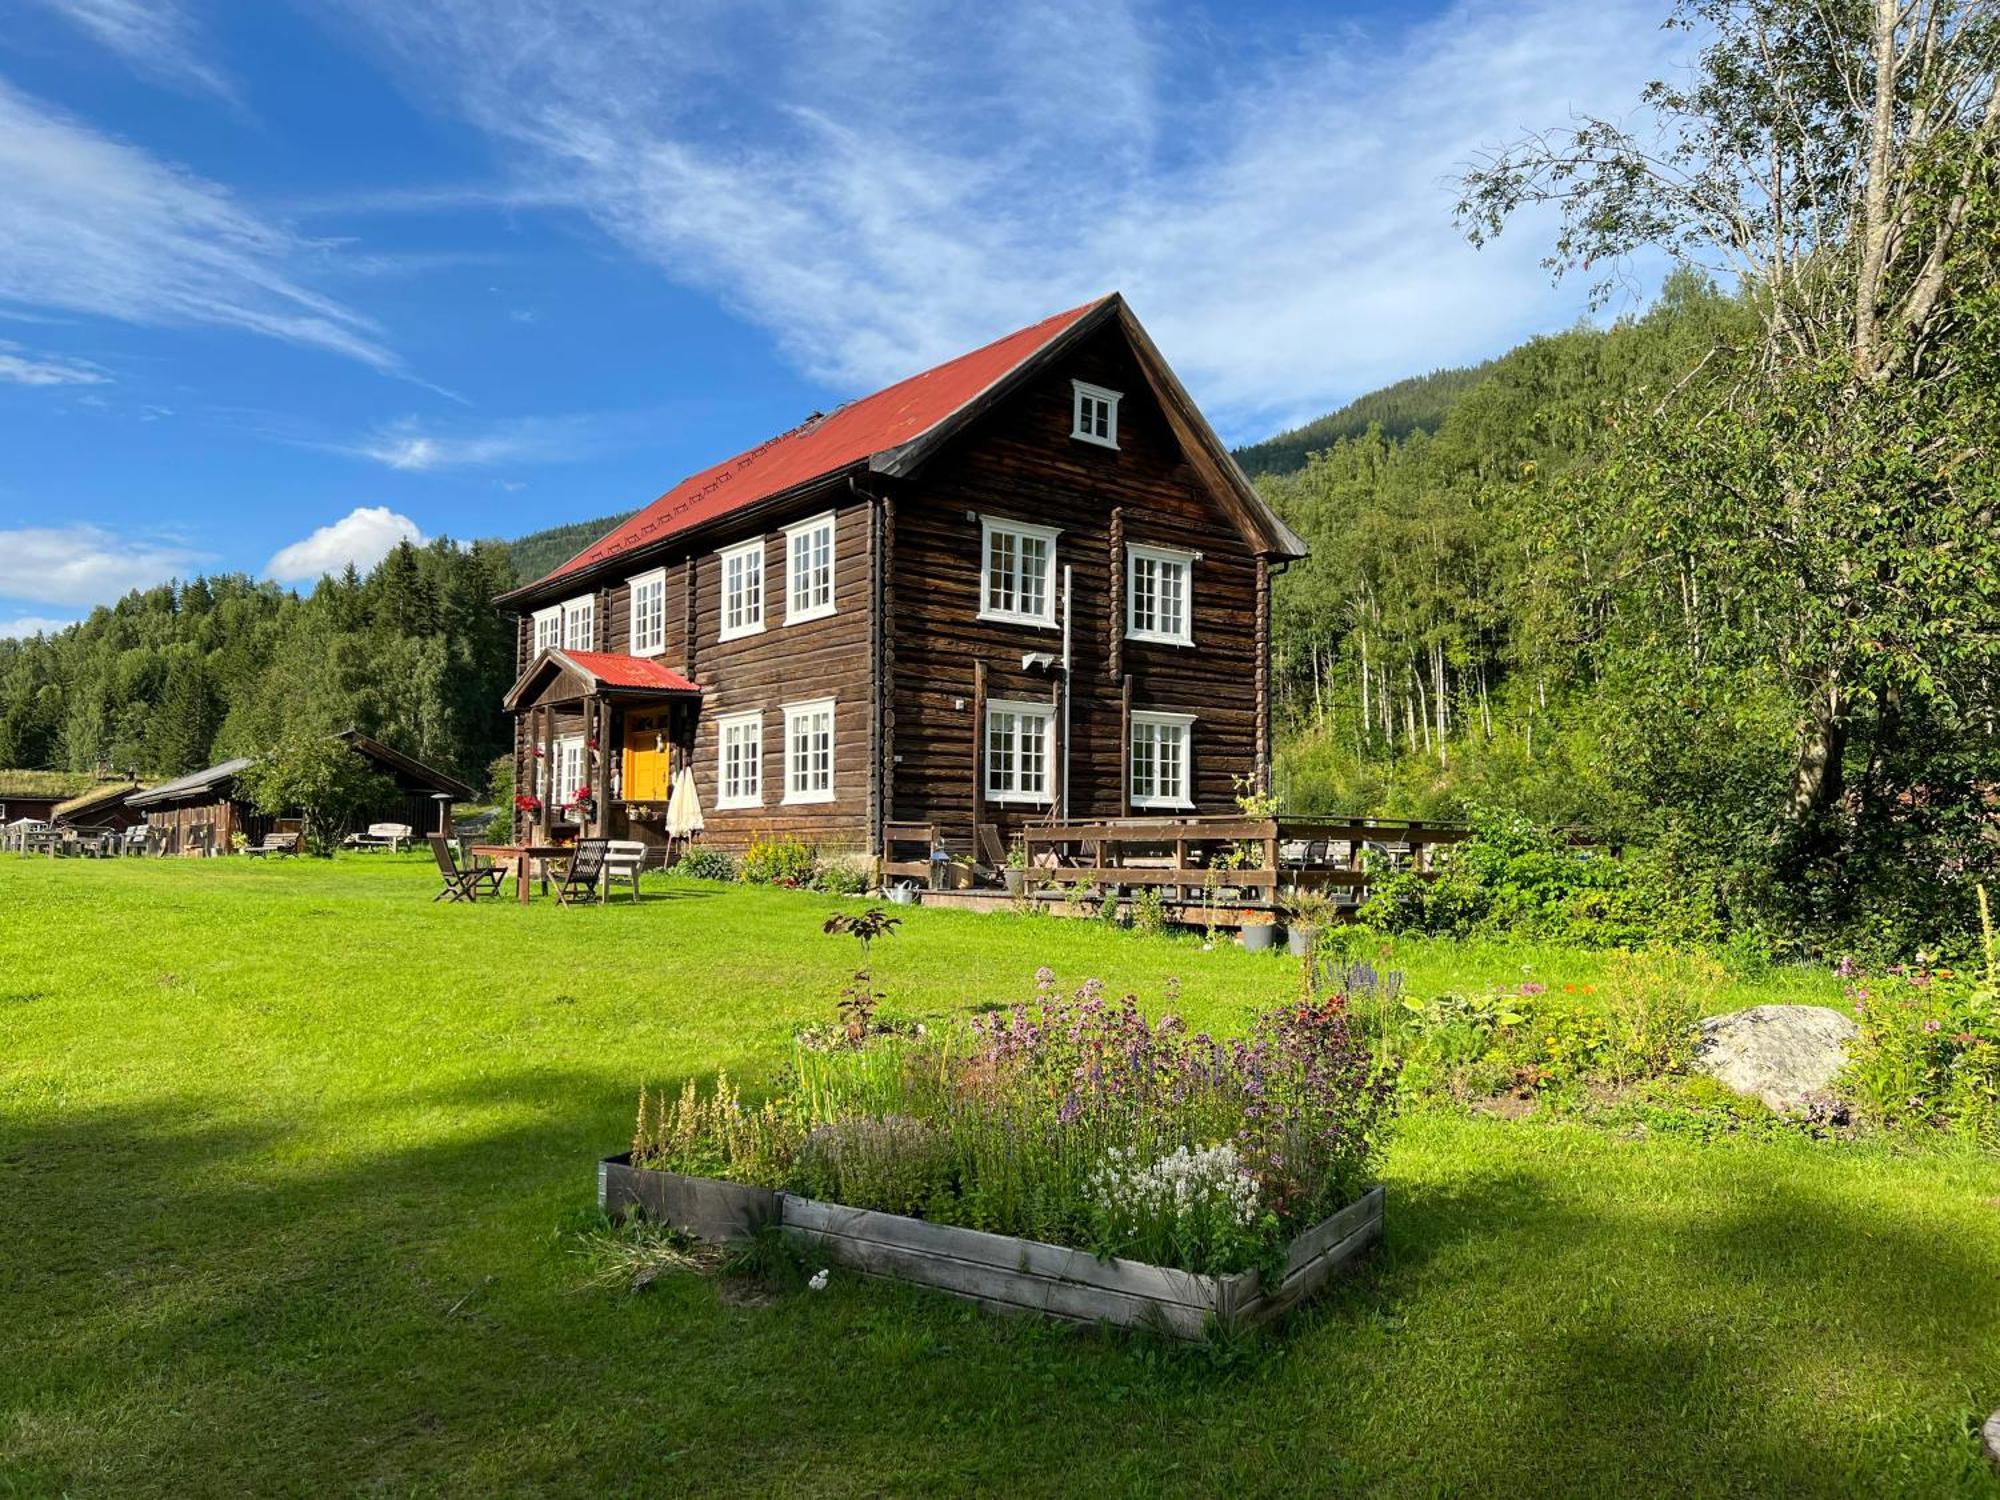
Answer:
(623, 860)
(585, 870)
(467, 884)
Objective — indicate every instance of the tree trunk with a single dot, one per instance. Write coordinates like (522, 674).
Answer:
(1817, 778)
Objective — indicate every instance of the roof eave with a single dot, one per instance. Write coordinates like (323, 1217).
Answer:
(560, 585)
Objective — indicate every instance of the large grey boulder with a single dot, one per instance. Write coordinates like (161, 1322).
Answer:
(1782, 1054)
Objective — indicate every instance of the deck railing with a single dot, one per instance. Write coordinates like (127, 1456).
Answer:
(1254, 859)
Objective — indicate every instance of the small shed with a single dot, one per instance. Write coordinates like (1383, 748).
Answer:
(418, 787)
(202, 811)
(207, 809)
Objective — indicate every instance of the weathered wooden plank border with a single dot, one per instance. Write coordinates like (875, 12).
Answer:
(998, 1270)
(706, 1207)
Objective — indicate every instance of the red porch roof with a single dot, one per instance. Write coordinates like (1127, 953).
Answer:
(614, 670)
(814, 449)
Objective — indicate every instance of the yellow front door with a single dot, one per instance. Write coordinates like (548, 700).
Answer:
(648, 774)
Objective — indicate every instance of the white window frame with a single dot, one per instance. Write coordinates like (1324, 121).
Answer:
(805, 531)
(549, 624)
(988, 526)
(1085, 400)
(561, 786)
(1045, 714)
(795, 790)
(585, 607)
(753, 721)
(1137, 552)
(1180, 799)
(729, 556)
(642, 645)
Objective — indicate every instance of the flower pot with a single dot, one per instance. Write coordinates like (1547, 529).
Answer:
(1017, 880)
(1299, 941)
(1260, 937)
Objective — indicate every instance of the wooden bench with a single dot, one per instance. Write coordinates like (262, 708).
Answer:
(275, 843)
(908, 833)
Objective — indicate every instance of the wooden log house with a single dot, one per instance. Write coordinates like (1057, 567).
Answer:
(1027, 585)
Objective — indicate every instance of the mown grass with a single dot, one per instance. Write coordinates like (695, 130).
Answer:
(292, 1161)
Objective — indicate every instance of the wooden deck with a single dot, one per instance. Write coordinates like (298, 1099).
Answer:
(1200, 864)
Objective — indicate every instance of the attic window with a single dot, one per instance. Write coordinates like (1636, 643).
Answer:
(1096, 415)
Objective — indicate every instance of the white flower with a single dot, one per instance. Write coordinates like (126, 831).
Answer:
(818, 1281)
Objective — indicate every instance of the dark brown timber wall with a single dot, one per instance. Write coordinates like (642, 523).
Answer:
(1019, 462)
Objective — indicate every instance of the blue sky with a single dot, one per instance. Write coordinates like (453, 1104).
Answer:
(283, 280)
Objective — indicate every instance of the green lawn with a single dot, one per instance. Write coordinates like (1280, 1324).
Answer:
(291, 1164)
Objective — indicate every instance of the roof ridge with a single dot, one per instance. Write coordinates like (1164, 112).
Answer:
(818, 448)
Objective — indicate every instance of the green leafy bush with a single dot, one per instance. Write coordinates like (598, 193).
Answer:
(779, 861)
(704, 863)
(1928, 1053)
(840, 880)
(1514, 878)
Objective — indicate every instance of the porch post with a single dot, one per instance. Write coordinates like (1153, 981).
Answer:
(598, 717)
(548, 773)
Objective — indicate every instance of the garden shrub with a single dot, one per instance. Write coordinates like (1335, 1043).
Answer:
(1928, 1053)
(1149, 911)
(1516, 879)
(840, 880)
(780, 861)
(703, 863)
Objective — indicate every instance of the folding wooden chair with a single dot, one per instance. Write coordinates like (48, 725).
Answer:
(586, 869)
(463, 884)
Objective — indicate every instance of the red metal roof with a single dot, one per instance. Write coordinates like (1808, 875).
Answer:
(814, 449)
(614, 670)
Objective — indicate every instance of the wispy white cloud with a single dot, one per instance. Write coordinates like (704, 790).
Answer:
(416, 447)
(23, 627)
(363, 537)
(1278, 208)
(20, 366)
(157, 38)
(86, 565)
(93, 225)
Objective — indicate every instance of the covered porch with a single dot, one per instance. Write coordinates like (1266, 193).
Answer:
(602, 737)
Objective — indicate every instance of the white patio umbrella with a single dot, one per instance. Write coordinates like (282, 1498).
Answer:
(684, 806)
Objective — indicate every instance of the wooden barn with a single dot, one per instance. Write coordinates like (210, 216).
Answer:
(204, 811)
(103, 807)
(1029, 584)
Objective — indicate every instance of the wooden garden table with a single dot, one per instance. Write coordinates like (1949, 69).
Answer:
(521, 857)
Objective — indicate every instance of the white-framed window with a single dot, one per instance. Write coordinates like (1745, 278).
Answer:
(1159, 595)
(568, 772)
(548, 628)
(1096, 415)
(579, 628)
(809, 569)
(809, 751)
(739, 772)
(1018, 574)
(1019, 741)
(1160, 769)
(742, 589)
(649, 612)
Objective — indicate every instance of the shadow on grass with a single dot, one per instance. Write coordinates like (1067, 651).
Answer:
(380, 1297)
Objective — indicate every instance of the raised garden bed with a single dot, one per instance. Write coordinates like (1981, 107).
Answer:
(996, 1269)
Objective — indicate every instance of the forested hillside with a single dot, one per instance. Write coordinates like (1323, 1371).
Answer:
(540, 552)
(1418, 404)
(176, 677)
